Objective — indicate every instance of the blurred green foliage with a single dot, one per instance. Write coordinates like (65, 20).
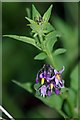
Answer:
(18, 58)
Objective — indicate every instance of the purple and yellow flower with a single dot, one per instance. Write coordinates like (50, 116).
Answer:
(58, 78)
(44, 74)
(50, 80)
(53, 88)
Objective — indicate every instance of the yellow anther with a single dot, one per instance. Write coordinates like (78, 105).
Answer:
(58, 76)
(42, 81)
(51, 86)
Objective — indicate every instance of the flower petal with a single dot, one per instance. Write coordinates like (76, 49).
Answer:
(57, 81)
(45, 74)
(41, 75)
(55, 71)
(51, 78)
(60, 72)
(49, 93)
(62, 84)
(37, 79)
(57, 91)
(43, 90)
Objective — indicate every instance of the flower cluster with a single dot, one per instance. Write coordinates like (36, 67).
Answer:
(50, 80)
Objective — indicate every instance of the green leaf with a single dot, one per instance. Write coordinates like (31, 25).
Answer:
(51, 43)
(34, 26)
(30, 20)
(35, 13)
(40, 56)
(74, 78)
(23, 39)
(59, 51)
(52, 35)
(27, 86)
(47, 14)
(54, 101)
(47, 27)
(51, 39)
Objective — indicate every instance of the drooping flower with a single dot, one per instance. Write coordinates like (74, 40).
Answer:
(43, 90)
(58, 78)
(50, 80)
(53, 88)
(44, 74)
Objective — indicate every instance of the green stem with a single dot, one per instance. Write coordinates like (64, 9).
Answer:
(50, 57)
(41, 38)
(41, 41)
(49, 54)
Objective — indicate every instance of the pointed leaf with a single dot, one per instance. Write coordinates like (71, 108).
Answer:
(47, 14)
(51, 43)
(30, 20)
(35, 13)
(53, 35)
(34, 26)
(51, 39)
(40, 56)
(23, 39)
(27, 86)
(59, 51)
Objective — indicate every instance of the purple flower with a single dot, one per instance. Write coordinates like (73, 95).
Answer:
(43, 90)
(58, 78)
(57, 91)
(50, 80)
(52, 87)
(49, 93)
(44, 74)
